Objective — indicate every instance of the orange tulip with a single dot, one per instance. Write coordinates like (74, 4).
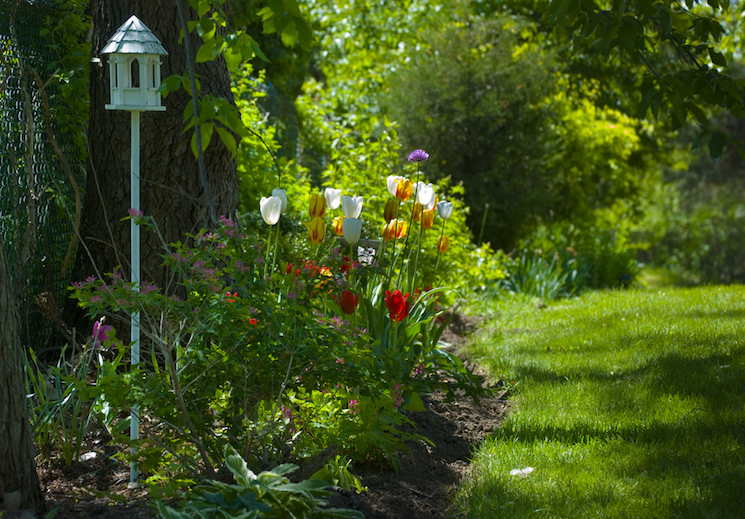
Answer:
(339, 225)
(428, 219)
(443, 244)
(316, 230)
(317, 206)
(404, 189)
(391, 210)
(395, 229)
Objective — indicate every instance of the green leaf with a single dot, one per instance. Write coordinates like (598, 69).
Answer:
(717, 58)
(237, 466)
(698, 113)
(210, 50)
(412, 401)
(717, 143)
(289, 34)
(206, 28)
(229, 141)
(666, 22)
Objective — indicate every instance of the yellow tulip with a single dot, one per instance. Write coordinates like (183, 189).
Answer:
(339, 225)
(416, 213)
(443, 244)
(317, 206)
(316, 230)
(391, 210)
(428, 219)
(403, 189)
(395, 229)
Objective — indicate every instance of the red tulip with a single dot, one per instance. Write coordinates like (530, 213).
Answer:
(349, 301)
(397, 305)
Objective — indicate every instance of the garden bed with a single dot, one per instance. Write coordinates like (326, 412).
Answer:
(97, 488)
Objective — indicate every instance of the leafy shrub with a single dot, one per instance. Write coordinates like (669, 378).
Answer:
(563, 260)
(270, 494)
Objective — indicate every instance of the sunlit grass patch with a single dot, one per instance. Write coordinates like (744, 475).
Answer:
(628, 404)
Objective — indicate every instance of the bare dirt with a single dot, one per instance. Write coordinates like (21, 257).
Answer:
(419, 489)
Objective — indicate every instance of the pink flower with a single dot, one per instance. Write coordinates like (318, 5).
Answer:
(227, 221)
(134, 213)
(100, 333)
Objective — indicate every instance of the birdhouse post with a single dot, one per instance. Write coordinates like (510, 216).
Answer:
(134, 77)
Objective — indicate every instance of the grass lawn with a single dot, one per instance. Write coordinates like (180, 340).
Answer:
(627, 404)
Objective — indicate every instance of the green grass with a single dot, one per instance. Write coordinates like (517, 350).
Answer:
(627, 404)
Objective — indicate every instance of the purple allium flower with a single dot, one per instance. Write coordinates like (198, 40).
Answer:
(291, 295)
(418, 156)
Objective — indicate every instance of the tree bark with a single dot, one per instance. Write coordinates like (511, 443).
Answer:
(171, 190)
(17, 466)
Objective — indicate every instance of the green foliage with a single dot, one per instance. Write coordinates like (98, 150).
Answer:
(678, 46)
(67, 34)
(467, 90)
(64, 404)
(337, 472)
(597, 256)
(270, 494)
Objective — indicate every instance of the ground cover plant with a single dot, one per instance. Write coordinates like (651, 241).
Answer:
(626, 404)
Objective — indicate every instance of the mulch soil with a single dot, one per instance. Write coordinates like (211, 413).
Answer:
(419, 489)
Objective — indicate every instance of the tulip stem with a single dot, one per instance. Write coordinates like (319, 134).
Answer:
(268, 247)
(411, 218)
(351, 265)
(276, 247)
(442, 233)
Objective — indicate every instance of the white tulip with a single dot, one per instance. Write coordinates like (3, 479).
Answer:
(351, 206)
(425, 195)
(392, 181)
(333, 197)
(271, 209)
(280, 193)
(352, 227)
(444, 209)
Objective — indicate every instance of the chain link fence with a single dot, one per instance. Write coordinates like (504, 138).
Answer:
(37, 200)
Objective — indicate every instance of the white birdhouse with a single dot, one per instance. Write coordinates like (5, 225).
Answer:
(134, 66)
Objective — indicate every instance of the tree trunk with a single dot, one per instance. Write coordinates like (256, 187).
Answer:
(17, 466)
(171, 191)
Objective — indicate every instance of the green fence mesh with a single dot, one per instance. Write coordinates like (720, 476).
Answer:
(31, 175)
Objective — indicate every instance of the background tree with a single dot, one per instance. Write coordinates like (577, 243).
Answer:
(17, 467)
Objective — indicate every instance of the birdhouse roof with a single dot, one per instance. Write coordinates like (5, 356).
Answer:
(133, 37)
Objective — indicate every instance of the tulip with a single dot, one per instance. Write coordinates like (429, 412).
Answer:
(282, 196)
(316, 230)
(428, 219)
(349, 301)
(391, 210)
(397, 305)
(317, 206)
(416, 211)
(333, 197)
(351, 206)
(444, 209)
(394, 229)
(404, 188)
(339, 225)
(443, 244)
(392, 182)
(271, 209)
(425, 194)
(352, 228)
